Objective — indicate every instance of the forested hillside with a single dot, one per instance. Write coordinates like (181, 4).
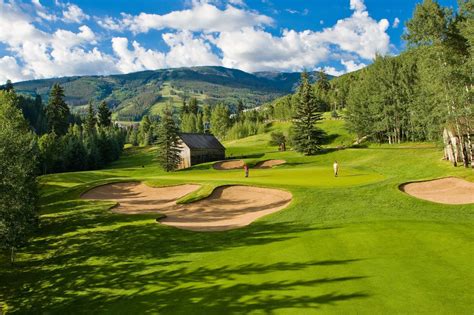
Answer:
(131, 96)
(424, 94)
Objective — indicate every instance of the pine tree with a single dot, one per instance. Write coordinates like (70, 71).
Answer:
(323, 88)
(240, 109)
(133, 138)
(193, 106)
(57, 111)
(104, 115)
(91, 120)
(307, 138)
(199, 123)
(168, 142)
(9, 86)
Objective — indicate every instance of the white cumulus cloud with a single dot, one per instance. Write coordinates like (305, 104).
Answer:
(358, 5)
(138, 58)
(9, 69)
(42, 54)
(359, 34)
(203, 16)
(209, 32)
(74, 14)
(352, 66)
(253, 49)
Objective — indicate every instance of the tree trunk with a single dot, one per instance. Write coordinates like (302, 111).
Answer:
(471, 150)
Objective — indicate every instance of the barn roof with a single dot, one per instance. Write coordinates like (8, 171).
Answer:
(201, 141)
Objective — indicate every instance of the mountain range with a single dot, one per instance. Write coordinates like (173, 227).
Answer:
(147, 92)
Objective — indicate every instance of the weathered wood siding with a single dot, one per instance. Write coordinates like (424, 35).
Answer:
(190, 157)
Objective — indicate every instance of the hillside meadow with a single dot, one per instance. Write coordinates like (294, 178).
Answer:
(352, 244)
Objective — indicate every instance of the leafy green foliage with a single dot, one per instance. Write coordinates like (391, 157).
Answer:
(220, 121)
(278, 139)
(18, 169)
(428, 24)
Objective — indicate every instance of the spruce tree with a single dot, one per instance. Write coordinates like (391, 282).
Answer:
(307, 138)
(323, 88)
(57, 111)
(104, 115)
(91, 120)
(168, 142)
(240, 109)
(9, 86)
(193, 106)
(199, 123)
(133, 138)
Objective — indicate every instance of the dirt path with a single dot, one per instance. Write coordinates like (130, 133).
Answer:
(449, 190)
(269, 163)
(228, 207)
(229, 165)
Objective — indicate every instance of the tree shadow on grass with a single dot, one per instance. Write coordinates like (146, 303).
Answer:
(174, 288)
(87, 259)
(119, 236)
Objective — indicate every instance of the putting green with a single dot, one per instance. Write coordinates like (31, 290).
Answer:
(302, 176)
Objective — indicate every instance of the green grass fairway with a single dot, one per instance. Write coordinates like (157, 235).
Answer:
(349, 245)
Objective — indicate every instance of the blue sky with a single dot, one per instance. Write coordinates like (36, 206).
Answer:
(51, 38)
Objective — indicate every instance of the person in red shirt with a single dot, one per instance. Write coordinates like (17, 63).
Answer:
(246, 169)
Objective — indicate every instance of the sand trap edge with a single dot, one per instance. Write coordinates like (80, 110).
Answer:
(218, 165)
(225, 229)
(111, 183)
(117, 204)
(401, 187)
(278, 163)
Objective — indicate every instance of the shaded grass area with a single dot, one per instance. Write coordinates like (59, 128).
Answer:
(353, 244)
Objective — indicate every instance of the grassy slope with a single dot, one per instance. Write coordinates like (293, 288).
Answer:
(354, 244)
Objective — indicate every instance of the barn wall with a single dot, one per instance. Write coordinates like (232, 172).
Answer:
(206, 155)
(185, 155)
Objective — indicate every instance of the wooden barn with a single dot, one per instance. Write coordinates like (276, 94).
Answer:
(199, 148)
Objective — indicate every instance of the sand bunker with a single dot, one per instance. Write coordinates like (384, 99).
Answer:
(269, 163)
(136, 197)
(229, 165)
(449, 190)
(228, 207)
